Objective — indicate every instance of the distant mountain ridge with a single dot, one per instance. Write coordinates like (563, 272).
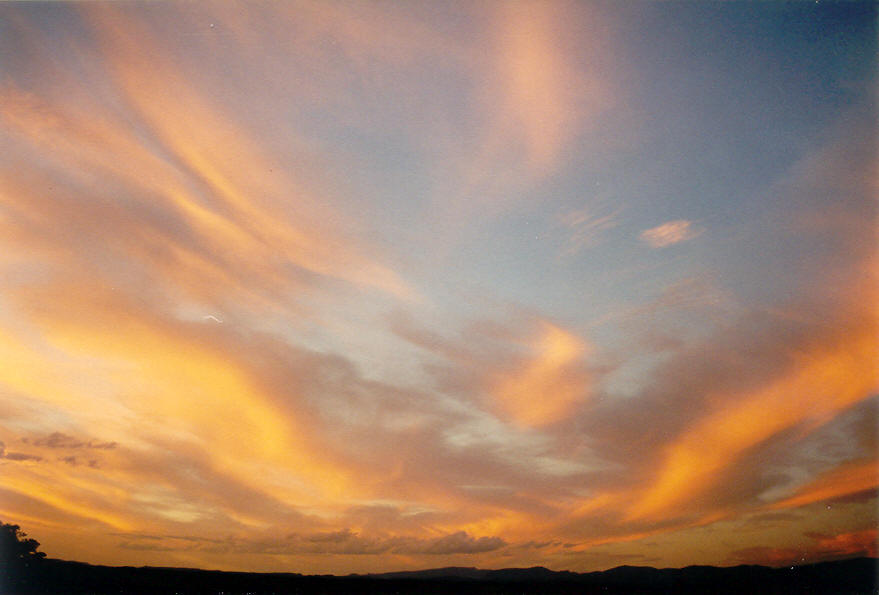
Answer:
(849, 575)
(843, 577)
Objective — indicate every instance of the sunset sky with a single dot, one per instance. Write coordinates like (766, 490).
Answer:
(332, 287)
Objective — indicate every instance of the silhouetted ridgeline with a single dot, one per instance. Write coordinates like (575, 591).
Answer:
(58, 576)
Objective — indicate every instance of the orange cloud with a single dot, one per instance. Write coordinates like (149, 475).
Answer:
(181, 387)
(247, 215)
(847, 544)
(824, 547)
(135, 209)
(819, 385)
(846, 480)
(89, 500)
(549, 385)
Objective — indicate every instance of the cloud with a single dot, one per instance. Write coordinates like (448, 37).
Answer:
(850, 479)
(546, 386)
(222, 399)
(189, 193)
(142, 196)
(822, 548)
(533, 371)
(17, 456)
(818, 387)
(792, 367)
(203, 434)
(540, 99)
(586, 228)
(72, 460)
(20, 456)
(717, 414)
(61, 440)
(724, 410)
(462, 543)
(670, 233)
(341, 542)
(529, 101)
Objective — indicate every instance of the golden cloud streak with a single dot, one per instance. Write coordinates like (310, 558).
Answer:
(247, 213)
(72, 495)
(183, 388)
(819, 386)
(845, 480)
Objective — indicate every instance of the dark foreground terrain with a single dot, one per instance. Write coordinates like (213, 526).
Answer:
(58, 576)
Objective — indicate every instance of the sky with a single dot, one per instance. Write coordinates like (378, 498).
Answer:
(363, 286)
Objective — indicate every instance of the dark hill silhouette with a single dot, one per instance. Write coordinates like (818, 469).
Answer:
(24, 571)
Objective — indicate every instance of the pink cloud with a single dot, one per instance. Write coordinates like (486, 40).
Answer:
(670, 233)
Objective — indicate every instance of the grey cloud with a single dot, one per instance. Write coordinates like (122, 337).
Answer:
(20, 456)
(342, 536)
(537, 545)
(462, 543)
(149, 547)
(16, 456)
(775, 517)
(61, 440)
(344, 542)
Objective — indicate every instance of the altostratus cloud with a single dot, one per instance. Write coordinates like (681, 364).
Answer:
(670, 233)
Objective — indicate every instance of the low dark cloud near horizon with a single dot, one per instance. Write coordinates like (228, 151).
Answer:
(343, 542)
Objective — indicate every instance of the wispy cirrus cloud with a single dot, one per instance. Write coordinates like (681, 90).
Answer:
(189, 192)
(279, 171)
(671, 233)
(528, 104)
(586, 228)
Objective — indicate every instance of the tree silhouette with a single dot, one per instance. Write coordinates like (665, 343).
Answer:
(18, 556)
